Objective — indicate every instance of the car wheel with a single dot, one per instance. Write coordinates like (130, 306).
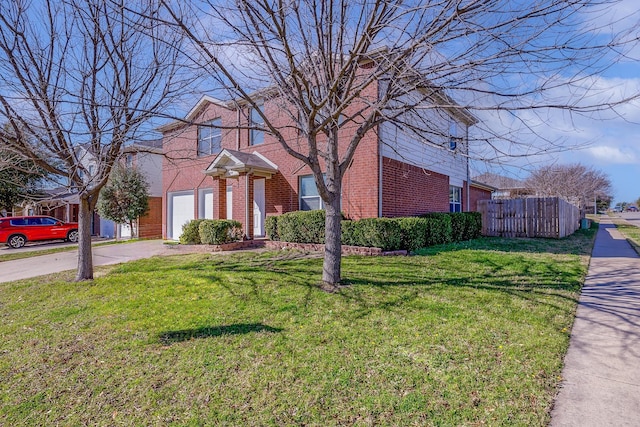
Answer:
(72, 236)
(17, 241)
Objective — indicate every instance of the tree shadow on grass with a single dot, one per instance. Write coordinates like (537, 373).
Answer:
(172, 337)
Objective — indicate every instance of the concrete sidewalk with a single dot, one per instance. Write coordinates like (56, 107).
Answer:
(601, 377)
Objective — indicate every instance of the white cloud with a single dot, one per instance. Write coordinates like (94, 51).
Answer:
(617, 155)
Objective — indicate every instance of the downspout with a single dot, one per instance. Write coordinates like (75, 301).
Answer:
(380, 136)
(379, 173)
(468, 203)
(238, 130)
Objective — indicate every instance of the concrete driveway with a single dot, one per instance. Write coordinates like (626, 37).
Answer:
(102, 255)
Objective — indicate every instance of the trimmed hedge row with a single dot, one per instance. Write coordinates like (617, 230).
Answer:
(211, 232)
(301, 227)
(389, 234)
(384, 233)
(464, 225)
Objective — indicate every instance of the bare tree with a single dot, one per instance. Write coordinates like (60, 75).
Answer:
(79, 79)
(345, 63)
(576, 183)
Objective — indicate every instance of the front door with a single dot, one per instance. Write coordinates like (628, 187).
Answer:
(258, 207)
(229, 201)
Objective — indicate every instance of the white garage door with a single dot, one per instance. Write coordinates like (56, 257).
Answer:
(180, 212)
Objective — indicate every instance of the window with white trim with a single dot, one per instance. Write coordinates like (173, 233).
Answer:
(309, 197)
(455, 139)
(256, 136)
(455, 199)
(210, 137)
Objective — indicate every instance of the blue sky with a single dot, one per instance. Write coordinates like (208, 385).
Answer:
(612, 141)
(606, 140)
(615, 149)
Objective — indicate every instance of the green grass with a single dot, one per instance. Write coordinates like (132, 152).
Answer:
(468, 334)
(629, 231)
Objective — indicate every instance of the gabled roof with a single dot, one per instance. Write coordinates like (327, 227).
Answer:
(148, 146)
(421, 83)
(230, 163)
(193, 113)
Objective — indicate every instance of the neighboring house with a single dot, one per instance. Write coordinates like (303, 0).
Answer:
(57, 202)
(504, 187)
(231, 172)
(63, 204)
(146, 156)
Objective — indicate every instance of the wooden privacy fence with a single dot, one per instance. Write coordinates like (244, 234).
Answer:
(529, 217)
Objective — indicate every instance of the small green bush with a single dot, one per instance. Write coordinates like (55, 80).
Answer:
(190, 232)
(473, 228)
(301, 226)
(439, 228)
(271, 227)
(413, 232)
(220, 231)
(381, 233)
(458, 226)
(453, 227)
(348, 236)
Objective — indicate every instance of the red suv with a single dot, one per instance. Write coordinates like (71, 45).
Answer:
(15, 231)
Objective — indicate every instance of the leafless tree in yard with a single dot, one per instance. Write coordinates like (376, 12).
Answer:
(576, 183)
(80, 79)
(518, 60)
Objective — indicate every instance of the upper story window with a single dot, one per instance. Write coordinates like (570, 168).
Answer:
(210, 137)
(454, 137)
(128, 160)
(256, 136)
(455, 199)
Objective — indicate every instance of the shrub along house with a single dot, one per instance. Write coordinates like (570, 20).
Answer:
(214, 167)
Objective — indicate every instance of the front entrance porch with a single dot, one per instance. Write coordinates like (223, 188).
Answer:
(240, 182)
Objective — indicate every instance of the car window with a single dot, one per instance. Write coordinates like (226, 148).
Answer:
(19, 221)
(34, 221)
(48, 221)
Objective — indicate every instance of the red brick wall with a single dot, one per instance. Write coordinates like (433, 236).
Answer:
(183, 170)
(476, 194)
(408, 190)
(150, 224)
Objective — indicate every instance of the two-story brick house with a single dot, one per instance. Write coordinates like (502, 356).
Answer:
(226, 170)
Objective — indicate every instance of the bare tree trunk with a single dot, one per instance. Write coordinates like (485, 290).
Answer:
(333, 245)
(134, 234)
(85, 256)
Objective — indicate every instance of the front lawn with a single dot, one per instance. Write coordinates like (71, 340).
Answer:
(469, 334)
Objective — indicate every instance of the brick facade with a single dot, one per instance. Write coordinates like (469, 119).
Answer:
(406, 189)
(150, 224)
(477, 193)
